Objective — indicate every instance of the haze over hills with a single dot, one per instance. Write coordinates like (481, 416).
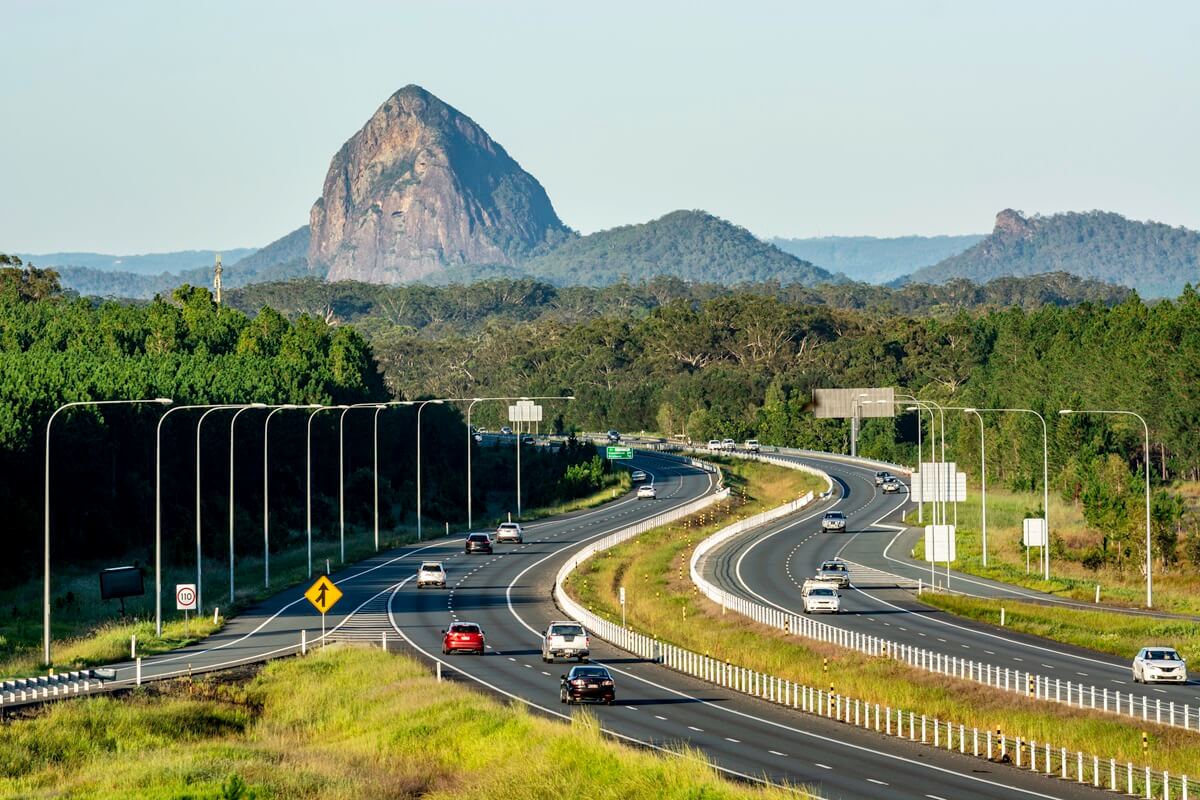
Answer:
(1156, 259)
(872, 259)
(144, 264)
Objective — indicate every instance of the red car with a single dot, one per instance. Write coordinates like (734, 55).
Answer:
(462, 636)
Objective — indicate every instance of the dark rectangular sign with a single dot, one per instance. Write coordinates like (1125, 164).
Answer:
(121, 582)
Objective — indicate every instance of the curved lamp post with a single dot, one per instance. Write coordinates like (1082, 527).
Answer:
(1146, 428)
(46, 507)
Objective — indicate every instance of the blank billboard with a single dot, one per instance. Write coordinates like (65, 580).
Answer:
(840, 403)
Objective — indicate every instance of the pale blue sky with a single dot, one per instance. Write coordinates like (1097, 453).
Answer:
(132, 127)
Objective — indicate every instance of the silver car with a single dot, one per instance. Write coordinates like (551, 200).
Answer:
(510, 532)
(833, 521)
(431, 573)
(1159, 665)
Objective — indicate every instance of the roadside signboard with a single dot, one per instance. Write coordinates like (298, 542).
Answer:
(185, 597)
(938, 482)
(323, 594)
(1034, 532)
(939, 543)
(618, 453)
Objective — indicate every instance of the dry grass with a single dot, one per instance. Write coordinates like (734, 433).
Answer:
(1174, 589)
(340, 723)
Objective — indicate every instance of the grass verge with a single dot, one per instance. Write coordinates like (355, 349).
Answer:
(1174, 588)
(1103, 631)
(661, 600)
(365, 724)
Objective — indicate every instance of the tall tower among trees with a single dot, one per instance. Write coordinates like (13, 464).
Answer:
(217, 280)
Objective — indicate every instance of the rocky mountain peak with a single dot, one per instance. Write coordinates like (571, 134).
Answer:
(422, 187)
(1012, 223)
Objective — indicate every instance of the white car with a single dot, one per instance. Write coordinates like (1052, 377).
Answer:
(431, 573)
(728, 444)
(833, 521)
(647, 492)
(1159, 665)
(510, 532)
(565, 639)
(821, 596)
(714, 445)
(752, 445)
(637, 476)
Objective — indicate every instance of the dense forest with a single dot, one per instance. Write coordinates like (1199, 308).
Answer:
(463, 308)
(1156, 259)
(55, 349)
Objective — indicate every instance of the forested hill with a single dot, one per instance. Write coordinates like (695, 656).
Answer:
(459, 308)
(691, 245)
(1158, 260)
(873, 259)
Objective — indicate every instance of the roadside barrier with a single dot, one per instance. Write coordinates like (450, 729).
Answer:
(1040, 757)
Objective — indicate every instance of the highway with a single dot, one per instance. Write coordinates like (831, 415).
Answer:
(509, 595)
(770, 565)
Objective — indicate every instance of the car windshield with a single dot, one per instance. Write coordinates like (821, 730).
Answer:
(1162, 655)
(834, 515)
(566, 630)
(822, 592)
(460, 628)
(589, 672)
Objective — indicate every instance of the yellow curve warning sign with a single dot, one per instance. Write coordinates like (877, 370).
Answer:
(323, 594)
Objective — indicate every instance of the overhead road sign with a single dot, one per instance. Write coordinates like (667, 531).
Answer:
(525, 411)
(847, 403)
(618, 453)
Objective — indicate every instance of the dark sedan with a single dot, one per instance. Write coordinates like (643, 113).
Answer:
(478, 543)
(587, 683)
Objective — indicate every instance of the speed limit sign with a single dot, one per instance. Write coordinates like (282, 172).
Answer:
(185, 597)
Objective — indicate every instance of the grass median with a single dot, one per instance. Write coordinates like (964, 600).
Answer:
(341, 722)
(661, 601)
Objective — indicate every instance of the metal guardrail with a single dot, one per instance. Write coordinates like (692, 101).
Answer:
(943, 734)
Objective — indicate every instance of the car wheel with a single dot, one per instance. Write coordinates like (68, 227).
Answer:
(608, 701)
(562, 697)
(445, 652)
(806, 611)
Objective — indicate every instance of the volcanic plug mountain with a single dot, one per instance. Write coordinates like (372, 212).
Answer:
(421, 187)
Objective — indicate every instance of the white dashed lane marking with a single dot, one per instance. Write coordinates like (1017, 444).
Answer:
(694, 728)
(777, 753)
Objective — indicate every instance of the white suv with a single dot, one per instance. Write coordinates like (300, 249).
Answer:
(752, 445)
(728, 444)
(510, 532)
(821, 596)
(565, 639)
(714, 445)
(431, 573)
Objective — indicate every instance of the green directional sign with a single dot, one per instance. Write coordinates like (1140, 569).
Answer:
(619, 453)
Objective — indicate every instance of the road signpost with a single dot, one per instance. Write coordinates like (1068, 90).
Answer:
(622, 596)
(1033, 534)
(618, 453)
(323, 595)
(185, 601)
(525, 411)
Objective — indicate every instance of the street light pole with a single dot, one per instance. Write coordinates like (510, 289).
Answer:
(982, 481)
(232, 427)
(267, 493)
(421, 408)
(855, 411)
(199, 549)
(158, 509)
(470, 442)
(308, 478)
(46, 509)
(1146, 468)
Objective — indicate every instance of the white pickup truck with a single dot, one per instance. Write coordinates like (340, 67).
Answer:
(820, 596)
(565, 639)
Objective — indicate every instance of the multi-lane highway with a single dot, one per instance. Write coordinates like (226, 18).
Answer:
(769, 566)
(509, 595)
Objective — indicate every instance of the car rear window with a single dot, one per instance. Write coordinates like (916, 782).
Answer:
(435, 567)
(464, 629)
(507, 525)
(566, 630)
(478, 537)
(590, 672)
